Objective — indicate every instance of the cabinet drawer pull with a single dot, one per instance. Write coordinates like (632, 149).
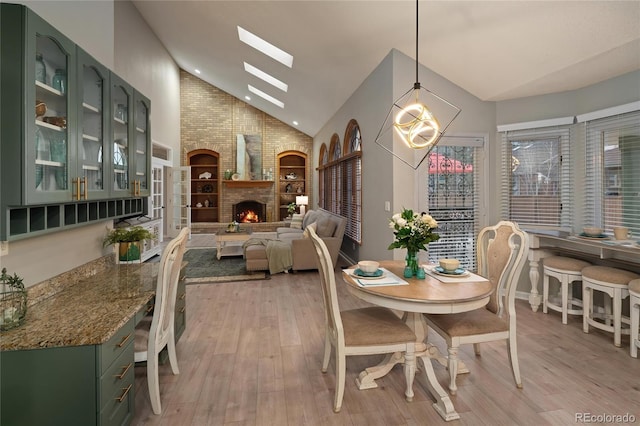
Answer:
(182, 310)
(183, 295)
(124, 373)
(124, 340)
(124, 394)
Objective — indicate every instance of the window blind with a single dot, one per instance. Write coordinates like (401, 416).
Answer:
(536, 177)
(612, 183)
(351, 205)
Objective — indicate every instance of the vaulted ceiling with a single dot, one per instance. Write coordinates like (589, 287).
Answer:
(495, 50)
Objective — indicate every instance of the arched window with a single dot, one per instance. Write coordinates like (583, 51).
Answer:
(332, 176)
(351, 181)
(323, 159)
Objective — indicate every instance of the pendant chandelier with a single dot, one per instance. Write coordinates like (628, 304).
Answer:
(414, 123)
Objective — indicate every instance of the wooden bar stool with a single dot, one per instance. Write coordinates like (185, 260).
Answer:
(567, 271)
(634, 291)
(614, 283)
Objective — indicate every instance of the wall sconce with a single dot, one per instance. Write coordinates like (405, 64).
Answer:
(302, 201)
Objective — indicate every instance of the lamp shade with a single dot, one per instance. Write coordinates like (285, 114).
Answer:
(302, 200)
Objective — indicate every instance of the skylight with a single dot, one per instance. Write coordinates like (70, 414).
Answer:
(266, 77)
(265, 96)
(265, 47)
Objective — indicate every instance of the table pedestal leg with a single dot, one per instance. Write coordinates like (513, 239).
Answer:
(426, 352)
(366, 379)
(443, 404)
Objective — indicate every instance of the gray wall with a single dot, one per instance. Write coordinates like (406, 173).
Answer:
(385, 178)
(115, 34)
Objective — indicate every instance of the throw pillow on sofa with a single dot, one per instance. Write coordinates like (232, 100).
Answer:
(326, 227)
(296, 221)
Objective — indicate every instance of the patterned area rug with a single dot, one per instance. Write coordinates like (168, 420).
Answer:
(204, 267)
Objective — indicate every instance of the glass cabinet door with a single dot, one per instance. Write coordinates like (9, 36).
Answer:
(142, 160)
(52, 67)
(121, 101)
(90, 178)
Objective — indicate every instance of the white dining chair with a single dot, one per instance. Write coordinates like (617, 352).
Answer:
(154, 335)
(502, 252)
(364, 331)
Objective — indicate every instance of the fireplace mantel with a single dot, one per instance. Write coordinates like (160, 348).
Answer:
(248, 183)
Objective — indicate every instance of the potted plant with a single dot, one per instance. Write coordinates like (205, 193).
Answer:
(13, 301)
(291, 208)
(128, 240)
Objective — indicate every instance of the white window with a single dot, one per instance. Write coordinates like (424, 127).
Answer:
(612, 184)
(536, 177)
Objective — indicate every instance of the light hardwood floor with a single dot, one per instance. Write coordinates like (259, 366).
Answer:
(252, 352)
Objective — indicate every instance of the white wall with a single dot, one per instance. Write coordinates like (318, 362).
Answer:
(116, 36)
(142, 60)
(88, 24)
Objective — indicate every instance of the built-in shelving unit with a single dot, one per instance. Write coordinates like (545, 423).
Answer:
(292, 179)
(205, 188)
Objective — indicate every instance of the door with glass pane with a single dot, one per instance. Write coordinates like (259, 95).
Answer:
(50, 146)
(120, 153)
(90, 179)
(450, 187)
(181, 194)
(141, 161)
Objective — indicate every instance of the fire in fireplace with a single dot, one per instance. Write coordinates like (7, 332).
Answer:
(250, 211)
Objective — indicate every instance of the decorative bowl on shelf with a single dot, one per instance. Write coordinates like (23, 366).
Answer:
(56, 121)
(41, 108)
(235, 176)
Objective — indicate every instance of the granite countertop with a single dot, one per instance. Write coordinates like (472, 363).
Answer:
(88, 312)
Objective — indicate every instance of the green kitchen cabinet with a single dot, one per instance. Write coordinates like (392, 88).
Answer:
(75, 144)
(38, 109)
(92, 175)
(142, 145)
(131, 167)
(121, 118)
(74, 385)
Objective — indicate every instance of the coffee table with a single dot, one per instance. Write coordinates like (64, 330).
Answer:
(224, 237)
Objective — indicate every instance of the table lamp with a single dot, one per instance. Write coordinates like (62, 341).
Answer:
(302, 201)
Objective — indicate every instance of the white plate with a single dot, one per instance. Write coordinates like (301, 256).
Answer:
(444, 274)
(235, 176)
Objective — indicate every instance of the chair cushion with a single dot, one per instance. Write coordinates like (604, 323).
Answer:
(374, 326)
(142, 334)
(634, 286)
(479, 321)
(326, 227)
(565, 263)
(608, 274)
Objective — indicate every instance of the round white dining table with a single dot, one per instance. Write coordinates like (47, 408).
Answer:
(420, 296)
